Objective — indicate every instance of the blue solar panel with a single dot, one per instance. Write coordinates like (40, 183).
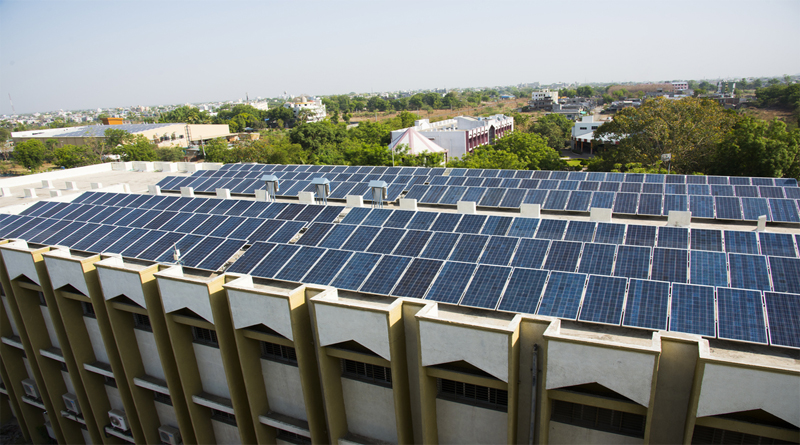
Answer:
(580, 231)
(640, 235)
(530, 253)
(741, 315)
(327, 267)
(446, 222)
(496, 225)
(451, 282)
(609, 186)
(361, 238)
(413, 243)
(563, 256)
(440, 245)
(207, 226)
(486, 287)
(422, 221)
(107, 238)
(386, 241)
(631, 187)
(535, 197)
(728, 208)
(523, 227)
(275, 261)
(603, 200)
(513, 198)
(603, 300)
(301, 263)
(597, 259)
(417, 278)
(452, 195)
(590, 186)
(79, 234)
(746, 191)
(356, 215)
(709, 268)
(264, 231)
(752, 208)
(777, 244)
(678, 203)
(190, 223)
(785, 274)
(692, 310)
(551, 229)
(748, 271)
(556, 200)
(784, 210)
(355, 271)
(609, 233)
(704, 239)
(670, 265)
(579, 201)
(741, 242)
(647, 304)
(632, 262)
(523, 291)
(471, 224)
(701, 206)
(286, 232)
(377, 217)
(434, 194)
(314, 234)
(499, 250)
(492, 197)
(783, 314)
(399, 219)
(675, 189)
(562, 296)
(649, 204)
(674, 237)
(473, 194)
(469, 248)
(251, 258)
(698, 189)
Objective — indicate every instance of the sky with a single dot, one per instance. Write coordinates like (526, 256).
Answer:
(91, 54)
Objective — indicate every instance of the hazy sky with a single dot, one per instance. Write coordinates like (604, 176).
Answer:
(89, 54)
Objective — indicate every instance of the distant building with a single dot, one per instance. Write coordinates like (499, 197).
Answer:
(165, 135)
(543, 99)
(583, 134)
(462, 134)
(680, 86)
(315, 107)
(724, 87)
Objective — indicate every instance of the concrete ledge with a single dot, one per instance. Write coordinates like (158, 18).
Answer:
(306, 197)
(59, 174)
(153, 190)
(121, 166)
(598, 214)
(355, 201)
(408, 204)
(286, 423)
(165, 166)
(47, 184)
(187, 192)
(96, 185)
(468, 207)
(223, 193)
(143, 166)
(679, 219)
(530, 210)
(213, 402)
(261, 195)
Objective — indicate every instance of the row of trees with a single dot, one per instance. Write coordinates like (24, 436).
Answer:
(702, 137)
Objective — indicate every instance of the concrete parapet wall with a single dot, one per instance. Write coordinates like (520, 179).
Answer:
(59, 174)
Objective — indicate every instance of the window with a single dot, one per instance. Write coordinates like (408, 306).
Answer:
(222, 416)
(378, 375)
(205, 336)
(142, 322)
(88, 310)
(599, 419)
(42, 301)
(278, 353)
(110, 381)
(291, 437)
(162, 398)
(477, 395)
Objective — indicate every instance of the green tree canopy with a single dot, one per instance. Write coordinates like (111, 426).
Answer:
(139, 149)
(70, 156)
(556, 128)
(487, 157)
(755, 147)
(532, 150)
(30, 154)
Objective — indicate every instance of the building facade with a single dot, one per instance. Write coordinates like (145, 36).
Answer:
(313, 108)
(461, 135)
(165, 135)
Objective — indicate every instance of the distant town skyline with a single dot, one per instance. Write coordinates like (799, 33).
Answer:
(90, 54)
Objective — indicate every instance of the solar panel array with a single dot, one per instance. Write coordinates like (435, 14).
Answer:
(632, 275)
(714, 197)
(208, 232)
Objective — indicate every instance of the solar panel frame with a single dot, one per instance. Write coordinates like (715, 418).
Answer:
(417, 278)
(597, 259)
(562, 295)
(647, 304)
(749, 271)
(783, 315)
(523, 291)
(486, 287)
(451, 282)
(603, 300)
(741, 315)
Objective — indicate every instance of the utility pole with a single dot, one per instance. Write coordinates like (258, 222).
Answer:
(13, 111)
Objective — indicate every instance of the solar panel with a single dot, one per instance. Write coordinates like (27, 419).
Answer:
(631, 187)
(704, 239)
(609, 186)
(741, 242)
(675, 189)
(304, 260)
(286, 232)
(693, 310)
(386, 241)
(100, 245)
(417, 278)
(556, 200)
(590, 186)
(784, 210)
(708, 268)
(209, 225)
(649, 204)
(451, 282)
(337, 236)
(640, 235)
(632, 262)
(603, 300)
(499, 250)
(446, 222)
(746, 191)
(678, 203)
(361, 238)
(530, 253)
(356, 215)
(670, 265)
(603, 200)
(580, 231)
(563, 256)
(741, 315)
(440, 245)
(399, 219)
(143, 243)
(469, 248)
(314, 234)
(453, 194)
(473, 194)
(471, 224)
(777, 244)
(486, 287)
(728, 208)
(597, 259)
(513, 198)
(523, 291)
(492, 197)
(562, 296)
(496, 225)
(79, 234)
(355, 271)
(125, 241)
(609, 233)
(647, 304)
(279, 256)
(523, 227)
(783, 314)
(748, 271)
(422, 221)
(698, 189)
(417, 192)
(579, 201)
(701, 206)
(785, 274)
(535, 197)
(752, 208)
(551, 229)
(674, 237)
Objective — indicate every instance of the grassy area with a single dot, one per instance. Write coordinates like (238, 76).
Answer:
(574, 163)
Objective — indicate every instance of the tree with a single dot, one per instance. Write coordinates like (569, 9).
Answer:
(279, 114)
(170, 154)
(139, 149)
(487, 157)
(556, 128)
(217, 151)
(30, 154)
(689, 129)
(532, 150)
(755, 147)
(585, 91)
(314, 135)
(70, 156)
(566, 92)
(371, 133)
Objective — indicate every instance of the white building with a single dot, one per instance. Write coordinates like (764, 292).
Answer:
(315, 107)
(543, 98)
(680, 86)
(462, 134)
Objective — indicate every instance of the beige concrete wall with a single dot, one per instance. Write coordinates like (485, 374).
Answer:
(561, 433)
(166, 414)
(176, 295)
(19, 263)
(212, 372)
(339, 324)
(284, 389)
(370, 410)
(461, 423)
(11, 322)
(249, 309)
(149, 353)
(68, 382)
(114, 398)
(225, 434)
(93, 329)
(48, 324)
